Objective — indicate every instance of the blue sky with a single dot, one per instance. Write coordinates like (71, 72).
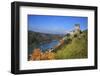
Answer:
(55, 24)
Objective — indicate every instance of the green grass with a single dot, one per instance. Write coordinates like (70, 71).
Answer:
(77, 48)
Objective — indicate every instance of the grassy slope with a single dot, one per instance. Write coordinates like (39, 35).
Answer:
(76, 49)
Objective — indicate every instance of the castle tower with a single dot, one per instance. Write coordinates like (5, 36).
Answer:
(77, 28)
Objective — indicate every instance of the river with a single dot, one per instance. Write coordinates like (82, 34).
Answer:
(46, 46)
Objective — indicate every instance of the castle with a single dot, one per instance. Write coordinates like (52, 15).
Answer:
(76, 29)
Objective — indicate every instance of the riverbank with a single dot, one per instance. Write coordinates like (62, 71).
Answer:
(49, 53)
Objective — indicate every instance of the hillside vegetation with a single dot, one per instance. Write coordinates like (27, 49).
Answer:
(76, 48)
(72, 46)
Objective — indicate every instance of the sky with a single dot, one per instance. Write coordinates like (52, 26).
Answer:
(55, 24)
